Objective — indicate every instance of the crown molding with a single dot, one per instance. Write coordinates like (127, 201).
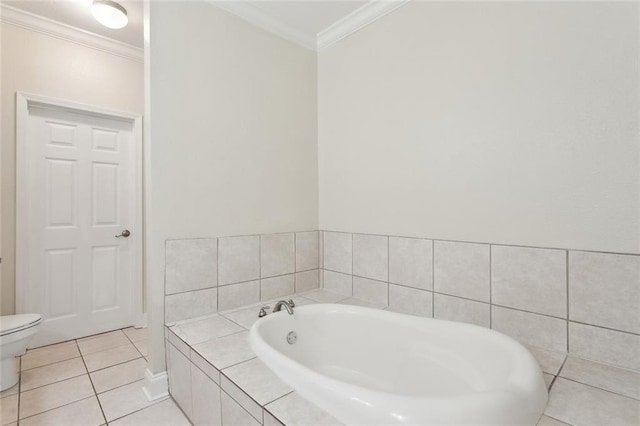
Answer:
(356, 20)
(39, 24)
(257, 17)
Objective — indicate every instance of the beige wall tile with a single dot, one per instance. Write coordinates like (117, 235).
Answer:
(412, 301)
(600, 344)
(236, 295)
(411, 262)
(371, 256)
(338, 283)
(307, 280)
(338, 253)
(271, 288)
(456, 309)
(277, 254)
(192, 304)
(206, 399)
(604, 290)
(462, 269)
(530, 279)
(238, 259)
(191, 264)
(307, 246)
(376, 292)
(532, 329)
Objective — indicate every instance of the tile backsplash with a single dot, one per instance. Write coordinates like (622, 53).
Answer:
(207, 275)
(585, 303)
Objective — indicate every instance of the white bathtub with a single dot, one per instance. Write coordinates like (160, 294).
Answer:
(367, 366)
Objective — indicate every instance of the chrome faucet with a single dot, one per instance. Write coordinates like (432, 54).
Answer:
(287, 305)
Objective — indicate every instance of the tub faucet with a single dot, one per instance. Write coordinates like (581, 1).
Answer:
(287, 305)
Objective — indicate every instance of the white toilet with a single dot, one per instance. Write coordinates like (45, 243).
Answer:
(15, 333)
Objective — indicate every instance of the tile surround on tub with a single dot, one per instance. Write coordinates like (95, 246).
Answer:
(240, 270)
(553, 298)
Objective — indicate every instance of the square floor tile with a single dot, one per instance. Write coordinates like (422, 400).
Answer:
(9, 409)
(49, 354)
(135, 334)
(52, 373)
(54, 395)
(124, 400)
(165, 413)
(103, 359)
(118, 375)
(11, 391)
(142, 346)
(85, 412)
(102, 342)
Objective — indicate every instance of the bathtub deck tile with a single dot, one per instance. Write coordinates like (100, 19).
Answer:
(226, 351)
(257, 380)
(294, 410)
(550, 421)
(200, 331)
(324, 296)
(550, 361)
(579, 404)
(613, 379)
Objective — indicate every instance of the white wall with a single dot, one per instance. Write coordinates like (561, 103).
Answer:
(233, 134)
(44, 65)
(506, 122)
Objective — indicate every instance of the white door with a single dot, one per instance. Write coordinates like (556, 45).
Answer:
(78, 199)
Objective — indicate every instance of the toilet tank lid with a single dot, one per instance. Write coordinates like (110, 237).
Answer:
(12, 323)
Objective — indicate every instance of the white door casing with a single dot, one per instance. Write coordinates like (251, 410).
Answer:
(79, 185)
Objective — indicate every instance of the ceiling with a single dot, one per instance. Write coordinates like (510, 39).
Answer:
(77, 13)
(301, 21)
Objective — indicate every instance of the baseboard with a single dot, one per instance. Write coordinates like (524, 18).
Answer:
(156, 386)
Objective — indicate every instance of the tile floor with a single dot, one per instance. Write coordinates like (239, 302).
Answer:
(96, 380)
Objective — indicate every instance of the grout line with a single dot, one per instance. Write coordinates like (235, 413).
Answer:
(295, 262)
(490, 243)
(274, 400)
(260, 267)
(19, 390)
(388, 272)
(433, 279)
(92, 385)
(490, 286)
(155, 402)
(61, 406)
(567, 295)
(217, 275)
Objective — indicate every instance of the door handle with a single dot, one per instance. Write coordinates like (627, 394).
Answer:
(124, 233)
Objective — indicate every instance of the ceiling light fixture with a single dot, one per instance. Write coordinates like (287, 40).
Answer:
(110, 14)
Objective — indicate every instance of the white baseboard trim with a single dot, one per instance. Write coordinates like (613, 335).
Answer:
(156, 386)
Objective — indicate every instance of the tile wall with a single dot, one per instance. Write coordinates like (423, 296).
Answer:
(584, 303)
(204, 276)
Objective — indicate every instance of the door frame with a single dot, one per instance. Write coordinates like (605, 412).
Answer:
(23, 102)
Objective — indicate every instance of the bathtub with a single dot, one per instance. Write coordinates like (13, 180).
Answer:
(372, 367)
